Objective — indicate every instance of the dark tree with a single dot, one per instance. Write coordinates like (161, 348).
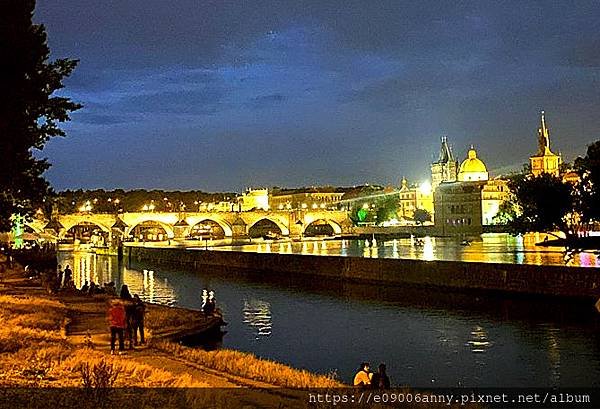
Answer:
(543, 204)
(29, 113)
(421, 216)
(387, 208)
(588, 189)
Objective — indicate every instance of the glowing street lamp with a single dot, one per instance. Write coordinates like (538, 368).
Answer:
(304, 205)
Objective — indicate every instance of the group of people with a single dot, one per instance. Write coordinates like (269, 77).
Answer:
(93, 288)
(209, 303)
(126, 320)
(364, 378)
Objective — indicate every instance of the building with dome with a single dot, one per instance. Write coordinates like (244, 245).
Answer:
(472, 169)
(462, 207)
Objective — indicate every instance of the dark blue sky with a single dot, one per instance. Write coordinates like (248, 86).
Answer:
(220, 95)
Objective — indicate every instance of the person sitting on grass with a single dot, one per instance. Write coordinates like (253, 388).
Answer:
(362, 379)
(85, 288)
(380, 379)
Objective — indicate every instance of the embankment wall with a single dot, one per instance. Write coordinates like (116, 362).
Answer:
(516, 278)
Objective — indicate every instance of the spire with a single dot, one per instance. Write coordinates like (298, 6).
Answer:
(543, 136)
(445, 152)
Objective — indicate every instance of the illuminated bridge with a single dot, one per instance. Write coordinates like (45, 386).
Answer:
(156, 226)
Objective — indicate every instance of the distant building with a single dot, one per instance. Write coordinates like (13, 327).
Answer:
(308, 198)
(494, 193)
(544, 161)
(254, 199)
(445, 169)
(470, 202)
(458, 208)
(414, 197)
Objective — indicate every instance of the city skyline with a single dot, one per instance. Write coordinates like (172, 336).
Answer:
(220, 97)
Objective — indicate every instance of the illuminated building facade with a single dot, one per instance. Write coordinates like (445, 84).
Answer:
(470, 202)
(494, 193)
(318, 198)
(544, 161)
(254, 199)
(413, 198)
(458, 208)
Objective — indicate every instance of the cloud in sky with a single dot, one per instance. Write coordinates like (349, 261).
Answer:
(219, 95)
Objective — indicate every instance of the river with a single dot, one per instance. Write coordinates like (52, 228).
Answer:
(427, 338)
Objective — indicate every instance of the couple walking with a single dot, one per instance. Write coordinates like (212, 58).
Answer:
(126, 317)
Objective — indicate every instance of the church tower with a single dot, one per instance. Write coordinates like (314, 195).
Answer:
(445, 169)
(544, 161)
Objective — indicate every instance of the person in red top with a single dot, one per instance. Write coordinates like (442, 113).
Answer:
(118, 322)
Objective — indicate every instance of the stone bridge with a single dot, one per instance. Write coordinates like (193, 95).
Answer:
(178, 225)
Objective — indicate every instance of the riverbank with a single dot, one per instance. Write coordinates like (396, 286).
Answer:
(62, 342)
(545, 280)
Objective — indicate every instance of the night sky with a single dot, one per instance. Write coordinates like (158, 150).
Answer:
(222, 95)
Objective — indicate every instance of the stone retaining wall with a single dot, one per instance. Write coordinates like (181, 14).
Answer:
(517, 278)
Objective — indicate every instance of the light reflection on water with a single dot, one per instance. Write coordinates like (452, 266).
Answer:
(492, 248)
(426, 337)
(103, 269)
(257, 315)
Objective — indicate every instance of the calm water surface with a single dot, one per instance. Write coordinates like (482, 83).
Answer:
(491, 248)
(434, 338)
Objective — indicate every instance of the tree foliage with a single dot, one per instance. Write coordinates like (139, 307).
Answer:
(588, 189)
(421, 216)
(29, 112)
(540, 204)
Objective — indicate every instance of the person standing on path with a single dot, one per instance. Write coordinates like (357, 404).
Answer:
(68, 277)
(118, 323)
(138, 319)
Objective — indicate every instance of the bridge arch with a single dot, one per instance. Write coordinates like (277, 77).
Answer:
(218, 229)
(334, 227)
(262, 225)
(165, 226)
(84, 225)
(197, 219)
